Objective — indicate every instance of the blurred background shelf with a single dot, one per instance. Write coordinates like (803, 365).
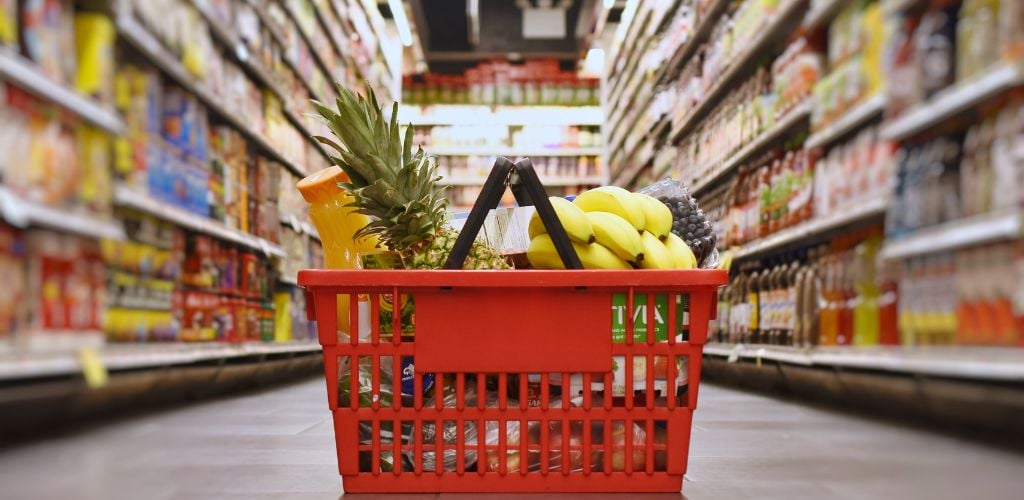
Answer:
(127, 197)
(24, 73)
(961, 362)
(23, 213)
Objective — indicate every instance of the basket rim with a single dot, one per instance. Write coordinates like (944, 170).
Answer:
(669, 278)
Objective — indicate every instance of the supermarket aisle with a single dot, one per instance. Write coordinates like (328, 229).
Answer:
(278, 444)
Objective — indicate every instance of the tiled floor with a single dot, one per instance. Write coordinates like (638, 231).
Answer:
(279, 444)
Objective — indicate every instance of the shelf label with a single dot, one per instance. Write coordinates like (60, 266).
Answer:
(93, 369)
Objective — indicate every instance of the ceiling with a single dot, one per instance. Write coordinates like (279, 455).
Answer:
(446, 31)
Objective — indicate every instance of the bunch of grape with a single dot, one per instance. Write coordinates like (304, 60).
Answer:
(690, 224)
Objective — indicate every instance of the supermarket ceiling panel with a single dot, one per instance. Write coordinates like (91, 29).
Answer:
(457, 34)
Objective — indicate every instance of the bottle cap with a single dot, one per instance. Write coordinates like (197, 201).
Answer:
(322, 185)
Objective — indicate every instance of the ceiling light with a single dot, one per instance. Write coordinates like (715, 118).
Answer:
(402, 22)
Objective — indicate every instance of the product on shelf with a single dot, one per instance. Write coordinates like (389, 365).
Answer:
(754, 107)
(857, 42)
(829, 295)
(539, 82)
(14, 293)
(50, 159)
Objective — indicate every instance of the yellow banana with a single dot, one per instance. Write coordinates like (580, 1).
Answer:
(542, 255)
(614, 200)
(617, 235)
(575, 222)
(656, 255)
(657, 215)
(681, 253)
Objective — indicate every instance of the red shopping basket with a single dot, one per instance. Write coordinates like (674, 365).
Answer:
(511, 381)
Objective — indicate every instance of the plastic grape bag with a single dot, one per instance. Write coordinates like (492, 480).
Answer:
(688, 220)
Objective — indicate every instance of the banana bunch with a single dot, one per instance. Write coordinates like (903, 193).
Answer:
(612, 228)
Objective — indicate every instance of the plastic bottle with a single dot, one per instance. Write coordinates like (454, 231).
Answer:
(337, 224)
(865, 307)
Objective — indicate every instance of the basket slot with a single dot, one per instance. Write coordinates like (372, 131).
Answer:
(375, 319)
(353, 319)
(649, 395)
(673, 382)
(397, 388)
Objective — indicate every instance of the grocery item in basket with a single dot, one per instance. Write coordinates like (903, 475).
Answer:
(337, 224)
(385, 394)
(386, 260)
(395, 186)
(688, 220)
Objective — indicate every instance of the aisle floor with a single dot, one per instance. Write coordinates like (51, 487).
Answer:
(279, 444)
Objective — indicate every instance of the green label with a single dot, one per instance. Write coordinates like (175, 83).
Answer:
(640, 311)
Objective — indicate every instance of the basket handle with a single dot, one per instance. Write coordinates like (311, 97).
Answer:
(528, 190)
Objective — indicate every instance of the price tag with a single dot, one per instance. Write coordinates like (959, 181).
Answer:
(295, 223)
(760, 353)
(264, 246)
(93, 369)
(734, 354)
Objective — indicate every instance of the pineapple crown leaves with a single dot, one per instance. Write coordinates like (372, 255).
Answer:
(387, 180)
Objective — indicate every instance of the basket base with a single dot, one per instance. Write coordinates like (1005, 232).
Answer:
(471, 482)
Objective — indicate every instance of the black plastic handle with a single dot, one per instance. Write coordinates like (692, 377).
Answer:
(528, 190)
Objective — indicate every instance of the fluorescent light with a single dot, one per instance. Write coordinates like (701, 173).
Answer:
(594, 62)
(402, 22)
(608, 4)
(627, 19)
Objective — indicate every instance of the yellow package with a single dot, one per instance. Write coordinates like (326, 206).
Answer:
(94, 48)
(8, 26)
(283, 317)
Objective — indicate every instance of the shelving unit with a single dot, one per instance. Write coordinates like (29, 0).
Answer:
(23, 73)
(856, 211)
(796, 117)
(641, 146)
(774, 31)
(126, 197)
(136, 34)
(21, 366)
(997, 226)
(20, 212)
(852, 120)
(954, 100)
(971, 363)
(513, 151)
(668, 70)
(458, 114)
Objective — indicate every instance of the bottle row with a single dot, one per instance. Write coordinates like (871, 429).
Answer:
(842, 294)
(501, 136)
(535, 82)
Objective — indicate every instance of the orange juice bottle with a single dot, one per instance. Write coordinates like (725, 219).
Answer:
(337, 225)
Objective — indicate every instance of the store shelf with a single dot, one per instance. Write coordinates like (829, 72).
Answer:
(955, 100)
(137, 35)
(547, 181)
(229, 39)
(853, 119)
(115, 357)
(956, 234)
(470, 114)
(127, 197)
(25, 74)
(784, 125)
(23, 213)
(973, 363)
(775, 29)
(326, 68)
(701, 31)
(822, 13)
(855, 211)
(513, 151)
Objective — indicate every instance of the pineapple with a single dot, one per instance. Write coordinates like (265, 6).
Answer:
(394, 186)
